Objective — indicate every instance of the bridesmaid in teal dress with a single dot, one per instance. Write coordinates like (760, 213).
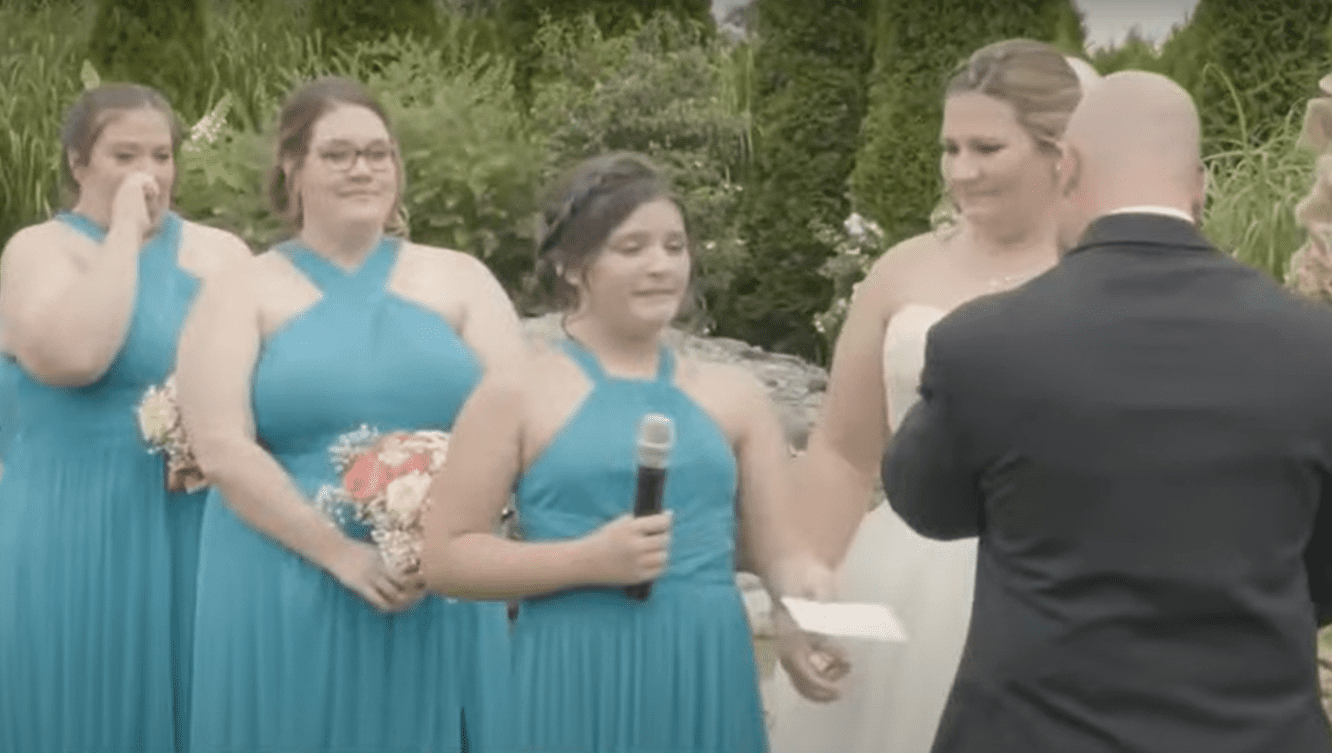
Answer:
(599, 671)
(95, 555)
(306, 640)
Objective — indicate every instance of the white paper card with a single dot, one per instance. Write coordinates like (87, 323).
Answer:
(873, 621)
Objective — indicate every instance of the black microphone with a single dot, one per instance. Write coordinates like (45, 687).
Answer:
(656, 436)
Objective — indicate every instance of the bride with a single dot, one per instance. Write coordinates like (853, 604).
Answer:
(1004, 111)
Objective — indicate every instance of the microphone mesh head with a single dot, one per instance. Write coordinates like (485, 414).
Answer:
(656, 436)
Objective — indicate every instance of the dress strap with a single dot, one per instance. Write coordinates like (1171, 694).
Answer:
(94, 232)
(326, 275)
(168, 233)
(666, 366)
(585, 360)
(163, 245)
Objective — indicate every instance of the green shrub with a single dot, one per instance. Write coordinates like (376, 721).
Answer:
(522, 22)
(896, 180)
(346, 22)
(670, 91)
(1252, 192)
(1248, 64)
(473, 167)
(1133, 54)
(40, 54)
(809, 71)
(161, 44)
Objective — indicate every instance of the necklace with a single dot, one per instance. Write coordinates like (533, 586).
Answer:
(1006, 281)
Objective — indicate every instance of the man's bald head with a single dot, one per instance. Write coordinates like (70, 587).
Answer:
(1133, 140)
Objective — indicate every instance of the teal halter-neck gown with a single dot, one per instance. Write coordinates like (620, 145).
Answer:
(597, 671)
(9, 373)
(286, 658)
(96, 558)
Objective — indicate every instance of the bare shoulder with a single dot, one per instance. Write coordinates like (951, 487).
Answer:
(443, 259)
(726, 385)
(251, 273)
(890, 279)
(212, 248)
(36, 239)
(905, 258)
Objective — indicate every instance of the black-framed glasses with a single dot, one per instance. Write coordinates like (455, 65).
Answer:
(342, 157)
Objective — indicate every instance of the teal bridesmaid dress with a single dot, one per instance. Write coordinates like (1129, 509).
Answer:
(286, 658)
(96, 557)
(9, 372)
(597, 671)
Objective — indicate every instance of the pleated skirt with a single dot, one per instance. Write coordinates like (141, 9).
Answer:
(89, 628)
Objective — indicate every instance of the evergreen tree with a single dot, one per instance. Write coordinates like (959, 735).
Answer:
(896, 181)
(160, 44)
(1134, 53)
(810, 71)
(1249, 63)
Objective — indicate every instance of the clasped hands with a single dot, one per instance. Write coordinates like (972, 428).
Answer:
(815, 663)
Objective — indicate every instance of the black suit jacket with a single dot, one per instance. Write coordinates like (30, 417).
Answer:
(1142, 439)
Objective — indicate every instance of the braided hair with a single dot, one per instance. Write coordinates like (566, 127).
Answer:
(582, 210)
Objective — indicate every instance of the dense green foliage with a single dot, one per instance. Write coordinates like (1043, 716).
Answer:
(919, 44)
(809, 101)
(770, 141)
(157, 43)
(671, 91)
(1248, 63)
(522, 21)
(1133, 54)
(349, 21)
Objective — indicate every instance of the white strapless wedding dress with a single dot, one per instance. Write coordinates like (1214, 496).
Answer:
(893, 698)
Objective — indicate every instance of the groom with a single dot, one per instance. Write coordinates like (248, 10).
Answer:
(1142, 440)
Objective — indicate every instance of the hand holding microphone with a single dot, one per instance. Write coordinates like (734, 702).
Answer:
(656, 437)
(632, 549)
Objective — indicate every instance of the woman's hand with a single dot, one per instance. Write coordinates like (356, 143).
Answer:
(131, 207)
(631, 550)
(360, 568)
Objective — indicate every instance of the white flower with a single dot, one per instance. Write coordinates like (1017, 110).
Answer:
(862, 230)
(209, 126)
(89, 77)
(406, 494)
(157, 416)
(394, 451)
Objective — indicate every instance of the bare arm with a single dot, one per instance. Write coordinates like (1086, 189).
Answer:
(490, 325)
(66, 317)
(835, 478)
(218, 352)
(767, 510)
(463, 554)
(219, 348)
(466, 558)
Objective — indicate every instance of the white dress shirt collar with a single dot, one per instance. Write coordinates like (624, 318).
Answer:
(1152, 209)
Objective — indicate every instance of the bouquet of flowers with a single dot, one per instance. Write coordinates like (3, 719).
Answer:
(385, 480)
(164, 433)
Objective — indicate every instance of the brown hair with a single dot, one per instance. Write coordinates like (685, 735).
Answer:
(1033, 77)
(303, 108)
(582, 209)
(89, 115)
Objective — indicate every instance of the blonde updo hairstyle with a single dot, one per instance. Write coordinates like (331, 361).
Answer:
(1035, 78)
